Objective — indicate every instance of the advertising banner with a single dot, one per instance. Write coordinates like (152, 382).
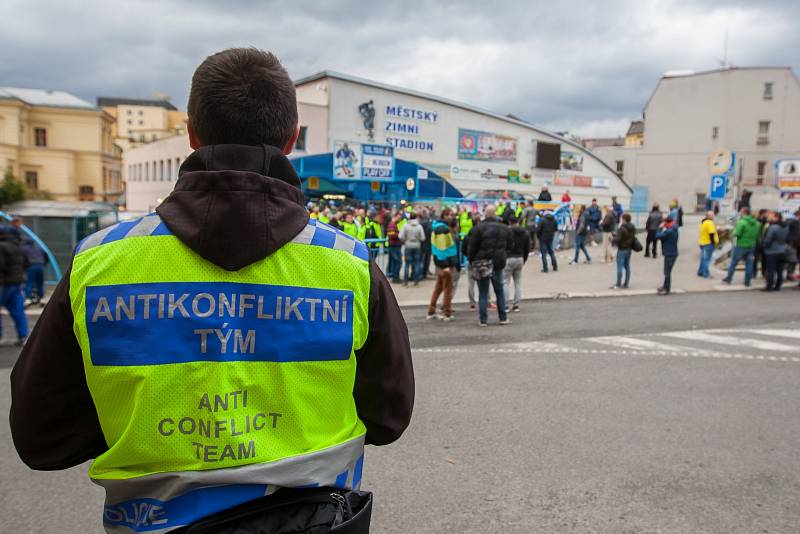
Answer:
(788, 171)
(346, 164)
(377, 162)
(571, 161)
(513, 176)
(486, 146)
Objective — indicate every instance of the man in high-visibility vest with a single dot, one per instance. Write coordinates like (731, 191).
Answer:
(349, 225)
(225, 359)
(371, 230)
(464, 221)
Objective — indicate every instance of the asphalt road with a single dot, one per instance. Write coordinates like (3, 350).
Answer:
(626, 414)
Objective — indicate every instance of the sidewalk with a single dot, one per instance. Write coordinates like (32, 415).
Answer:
(596, 279)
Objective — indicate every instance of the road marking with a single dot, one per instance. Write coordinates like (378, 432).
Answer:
(699, 335)
(771, 332)
(635, 343)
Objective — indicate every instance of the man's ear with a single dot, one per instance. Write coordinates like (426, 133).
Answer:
(287, 149)
(194, 141)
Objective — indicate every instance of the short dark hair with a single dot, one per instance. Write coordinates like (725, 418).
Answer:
(242, 96)
(626, 217)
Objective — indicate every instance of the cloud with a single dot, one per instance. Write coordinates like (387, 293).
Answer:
(588, 66)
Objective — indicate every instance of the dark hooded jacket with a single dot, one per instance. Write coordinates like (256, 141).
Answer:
(233, 205)
(12, 260)
(547, 229)
(490, 240)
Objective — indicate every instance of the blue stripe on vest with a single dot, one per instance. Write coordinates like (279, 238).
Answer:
(143, 515)
(323, 237)
(120, 231)
(166, 322)
(357, 471)
(161, 229)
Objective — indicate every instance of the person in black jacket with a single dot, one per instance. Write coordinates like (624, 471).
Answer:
(489, 244)
(546, 232)
(623, 239)
(652, 225)
(236, 203)
(517, 256)
(545, 195)
(12, 269)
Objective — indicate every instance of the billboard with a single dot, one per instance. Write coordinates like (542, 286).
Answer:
(571, 161)
(788, 171)
(346, 164)
(486, 146)
(377, 162)
(357, 161)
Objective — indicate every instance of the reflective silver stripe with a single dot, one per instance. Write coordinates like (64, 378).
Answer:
(145, 226)
(344, 242)
(96, 238)
(319, 467)
(305, 236)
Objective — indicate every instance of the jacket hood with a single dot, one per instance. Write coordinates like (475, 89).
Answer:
(235, 204)
(413, 222)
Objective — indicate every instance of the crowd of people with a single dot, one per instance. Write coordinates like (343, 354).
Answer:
(491, 245)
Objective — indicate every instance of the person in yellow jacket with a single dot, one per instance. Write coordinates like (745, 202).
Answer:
(349, 226)
(708, 240)
(464, 221)
(371, 230)
(226, 353)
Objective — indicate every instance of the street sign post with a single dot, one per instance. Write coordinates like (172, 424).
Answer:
(719, 187)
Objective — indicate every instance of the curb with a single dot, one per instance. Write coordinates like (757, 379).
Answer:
(598, 294)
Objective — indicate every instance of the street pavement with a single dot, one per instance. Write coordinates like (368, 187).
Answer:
(594, 279)
(638, 414)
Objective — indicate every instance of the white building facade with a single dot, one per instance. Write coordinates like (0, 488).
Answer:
(151, 171)
(476, 150)
(754, 112)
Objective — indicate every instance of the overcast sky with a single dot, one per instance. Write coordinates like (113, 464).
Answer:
(587, 67)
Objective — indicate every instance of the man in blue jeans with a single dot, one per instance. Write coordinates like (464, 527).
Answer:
(747, 232)
(623, 238)
(489, 244)
(707, 240)
(12, 270)
(36, 260)
(546, 232)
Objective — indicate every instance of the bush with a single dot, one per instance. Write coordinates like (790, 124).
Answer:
(11, 190)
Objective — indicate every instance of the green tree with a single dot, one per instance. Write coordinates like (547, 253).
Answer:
(11, 190)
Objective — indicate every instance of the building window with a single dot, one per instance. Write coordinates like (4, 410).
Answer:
(32, 179)
(714, 132)
(141, 138)
(301, 139)
(40, 136)
(161, 170)
(130, 112)
(141, 123)
(169, 170)
(141, 112)
(139, 175)
(154, 137)
(86, 192)
(761, 169)
(768, 90)
(130, 122)
(177, 167)
(620, 165)
(763, 132)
